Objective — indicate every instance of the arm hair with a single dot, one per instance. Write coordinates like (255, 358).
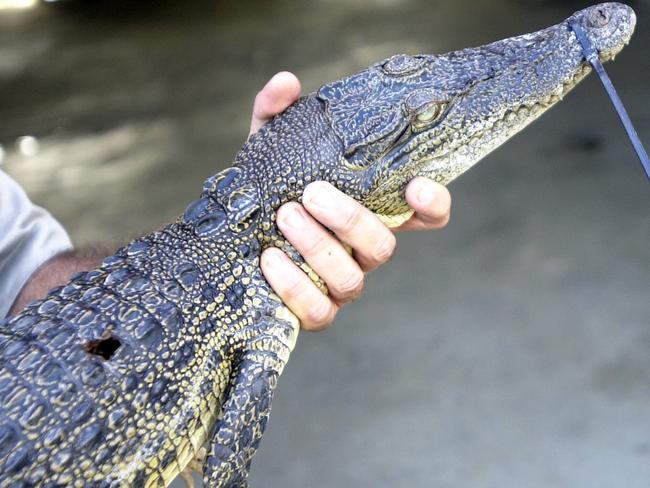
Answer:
(55, 272)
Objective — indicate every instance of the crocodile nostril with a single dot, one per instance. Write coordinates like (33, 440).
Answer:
(599, 17)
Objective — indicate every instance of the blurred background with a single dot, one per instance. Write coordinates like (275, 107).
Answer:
(511, 349)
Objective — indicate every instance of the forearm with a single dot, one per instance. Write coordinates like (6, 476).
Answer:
(55, 272)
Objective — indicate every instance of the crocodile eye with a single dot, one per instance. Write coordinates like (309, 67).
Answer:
(430, 114)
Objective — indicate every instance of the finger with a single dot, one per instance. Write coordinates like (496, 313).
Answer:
(372, 241)
(431, 203)
(279, 92)
(314, 309)
(323, 252)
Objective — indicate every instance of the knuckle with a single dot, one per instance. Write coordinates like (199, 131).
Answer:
(385, 250)
(352, 287)
(293, 287)
(320, 315)
(352, 217)
(314, 243)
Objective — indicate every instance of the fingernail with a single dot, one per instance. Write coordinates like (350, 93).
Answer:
(272, 261)
(426, 195)
(294, 219)
(322, 197)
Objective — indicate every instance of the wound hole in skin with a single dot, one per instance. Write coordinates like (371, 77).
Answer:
(103, 347)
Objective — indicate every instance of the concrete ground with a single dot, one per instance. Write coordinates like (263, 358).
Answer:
(511, 349)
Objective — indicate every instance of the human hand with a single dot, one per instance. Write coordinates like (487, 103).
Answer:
(324, 207)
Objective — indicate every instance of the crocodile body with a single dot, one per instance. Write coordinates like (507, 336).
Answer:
(175, 344)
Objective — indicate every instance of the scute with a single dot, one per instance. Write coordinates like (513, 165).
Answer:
(402, 64)
(17, 459)
(211, 224)
(196, 209)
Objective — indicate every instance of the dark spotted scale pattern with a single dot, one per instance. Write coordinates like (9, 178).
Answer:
(170, 351)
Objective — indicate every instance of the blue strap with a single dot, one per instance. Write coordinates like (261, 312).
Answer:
(592, 56)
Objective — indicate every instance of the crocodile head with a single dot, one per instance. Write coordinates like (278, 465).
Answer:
(436, 116)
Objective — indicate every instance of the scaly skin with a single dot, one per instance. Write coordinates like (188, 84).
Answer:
(176, 342)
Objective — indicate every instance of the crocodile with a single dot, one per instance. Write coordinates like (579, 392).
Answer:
(166, 356)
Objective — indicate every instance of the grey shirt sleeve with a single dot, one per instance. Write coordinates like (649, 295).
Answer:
(29, 236)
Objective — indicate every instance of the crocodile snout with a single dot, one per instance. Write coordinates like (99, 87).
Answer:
(609, 27)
